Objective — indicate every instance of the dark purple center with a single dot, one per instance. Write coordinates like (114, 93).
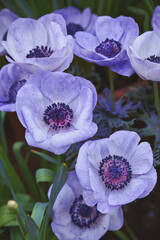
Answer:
(154, 59)
(83, 215)
(5, 36)
(109, 48)
(40, 52)
(72, 28)
(58, 116)
(115, 171)
(12, 93)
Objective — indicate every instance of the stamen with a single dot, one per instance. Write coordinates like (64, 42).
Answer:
(72, 28)
(154, 59)
(115, 171)
(109, 48)
(58, 116)
(83, 215)
(40, 52)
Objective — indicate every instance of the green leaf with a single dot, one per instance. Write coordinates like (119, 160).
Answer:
(12, 175)
(7, 219)
(46, 157)
(22, 212)
(27, 10)
(38, 212)
(15, 234)
(27, 175)
(32, 228)
(44, 175)
(59, 182)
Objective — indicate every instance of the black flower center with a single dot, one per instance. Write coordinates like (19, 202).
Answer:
(58, 115)
(154, 59)
(12, 93)
(115, 171)
(40, 52)
(83, 215)
(109, 48)
(72, 28)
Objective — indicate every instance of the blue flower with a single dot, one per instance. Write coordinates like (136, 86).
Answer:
(12, 78)
(40, 44)
(108, 46)
(144, 55)
(6, 18)
(72, 219)
(77, 20)
(116, 170)
(56, 110)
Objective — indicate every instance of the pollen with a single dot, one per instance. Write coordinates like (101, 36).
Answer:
(109, 48)
(58, 116)
(115, 172)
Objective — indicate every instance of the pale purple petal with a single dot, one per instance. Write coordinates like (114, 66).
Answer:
(132, 191)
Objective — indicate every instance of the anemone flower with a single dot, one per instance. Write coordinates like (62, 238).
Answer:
(12, 78)
(109, 44)
(77, 20)
(56, 110)
(40, 44)
(6, 18)
(144, 55)
(116, 170)
(72, 219)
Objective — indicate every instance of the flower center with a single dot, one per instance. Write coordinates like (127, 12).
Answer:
(83, 215)
(40, 52)
(154, 59)
(115, 171)
(109, 48)
(5, 36)
(58, 115)
(72, 28)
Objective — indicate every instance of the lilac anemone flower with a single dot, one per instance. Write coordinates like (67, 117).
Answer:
(144, 55)
(116, 170)
(156, 18)
(40, 44)
(72, 219)
(108, 46)
(77, 20)
(6, 18)
(56, 110)
(12, 78)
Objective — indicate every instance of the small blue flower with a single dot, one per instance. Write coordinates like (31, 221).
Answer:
(56, 110)
(73, 219)
(115, 171)
(77, 20)
(6, 18)
(109, 44)
(12, 78)
(40, 44)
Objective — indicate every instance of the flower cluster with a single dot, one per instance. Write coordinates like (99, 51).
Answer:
(56, 109)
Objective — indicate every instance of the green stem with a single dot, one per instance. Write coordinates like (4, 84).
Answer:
(156, 95)
(111, 81)
(121, 235)
(130, 232)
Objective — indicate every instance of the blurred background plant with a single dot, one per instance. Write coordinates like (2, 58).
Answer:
(27, 173)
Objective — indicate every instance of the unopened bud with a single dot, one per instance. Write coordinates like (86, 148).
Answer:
(13, 206)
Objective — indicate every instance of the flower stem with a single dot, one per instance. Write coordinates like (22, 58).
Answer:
(121, 235)
(111, 81)
(156, 95)
(130, 232)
